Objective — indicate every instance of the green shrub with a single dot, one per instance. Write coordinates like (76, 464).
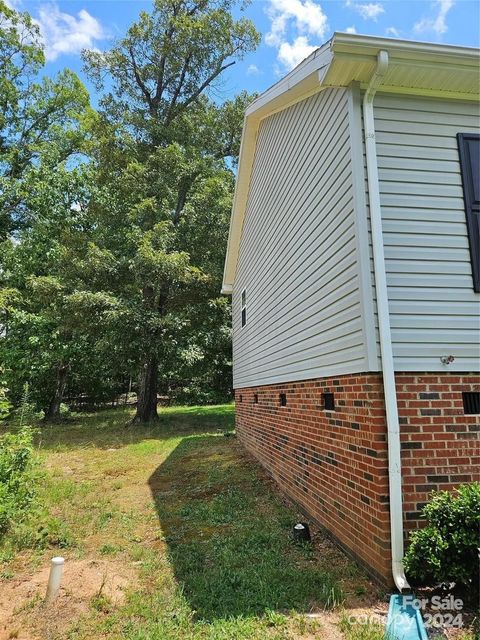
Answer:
(5, 406)
(41, 531)
(446, 549)
(199, 392)
(17, 482)
(64, 410)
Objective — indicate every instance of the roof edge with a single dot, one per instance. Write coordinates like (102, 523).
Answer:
(355, 43)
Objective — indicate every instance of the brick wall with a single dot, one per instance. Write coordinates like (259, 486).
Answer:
(334, 463)
(440, 444)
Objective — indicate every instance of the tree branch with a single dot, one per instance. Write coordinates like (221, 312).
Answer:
(184, 187)
(220, 68)
(163, 60)
(178, 88)
(141, 84)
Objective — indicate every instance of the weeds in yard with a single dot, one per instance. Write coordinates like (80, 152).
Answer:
(18, 477)
(363, 630)
(207, 539)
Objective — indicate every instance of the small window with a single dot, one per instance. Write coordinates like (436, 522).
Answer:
(469, 152)
(471, 402)
(283, 399)
(244, 307)
(329, 402)
(240, 399)
(255, 398)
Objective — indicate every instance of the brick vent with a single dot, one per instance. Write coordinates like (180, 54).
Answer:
(334, 463)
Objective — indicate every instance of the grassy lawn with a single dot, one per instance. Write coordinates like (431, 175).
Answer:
(169, 532)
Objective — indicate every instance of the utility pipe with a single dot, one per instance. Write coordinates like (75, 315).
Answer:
(393, 427)
(54, 578)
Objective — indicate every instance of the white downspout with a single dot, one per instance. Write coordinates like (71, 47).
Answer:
(393, 427)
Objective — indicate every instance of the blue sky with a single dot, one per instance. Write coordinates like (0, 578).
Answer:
(290, 29)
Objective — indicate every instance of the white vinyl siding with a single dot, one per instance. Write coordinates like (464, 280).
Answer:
(298, 259)
(434, 310)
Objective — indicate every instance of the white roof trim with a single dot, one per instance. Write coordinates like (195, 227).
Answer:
(415, 67)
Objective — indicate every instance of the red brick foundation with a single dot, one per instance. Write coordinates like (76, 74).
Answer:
(334, 463)
(440, 444)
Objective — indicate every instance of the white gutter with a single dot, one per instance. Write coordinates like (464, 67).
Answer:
(393, 427)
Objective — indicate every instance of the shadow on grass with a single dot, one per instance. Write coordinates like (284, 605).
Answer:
(111, 429)
(228, 535)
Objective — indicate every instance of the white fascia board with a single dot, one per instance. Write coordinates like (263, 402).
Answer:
(413, 49)
(245, 164)
(284, 91)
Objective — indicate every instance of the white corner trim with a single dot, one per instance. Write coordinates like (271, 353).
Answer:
(361, 228)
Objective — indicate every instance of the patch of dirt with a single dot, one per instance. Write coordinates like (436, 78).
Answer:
(82, 581)
(328, 627)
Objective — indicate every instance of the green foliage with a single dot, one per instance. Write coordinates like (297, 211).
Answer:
(17, 482)
(39, 119)
(114, 224)
(5, 405)
(446, 549)
(199, 364)
(168, 59)
(165, 186)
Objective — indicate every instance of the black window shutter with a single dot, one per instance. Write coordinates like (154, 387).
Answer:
(469, 151)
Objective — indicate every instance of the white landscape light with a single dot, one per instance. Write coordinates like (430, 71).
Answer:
(55, 578)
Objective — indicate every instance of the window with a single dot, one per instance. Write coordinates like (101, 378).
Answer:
(329, 402)
(255, 398)
(469, 152)
(283, 399)
(244, 307)
(471, 402)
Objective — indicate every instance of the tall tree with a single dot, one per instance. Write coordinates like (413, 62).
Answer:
(52, 325)
(35, 116)
(164, 147)
(41, 130)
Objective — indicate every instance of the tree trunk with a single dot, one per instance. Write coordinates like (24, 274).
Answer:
(147, 392)
(53, 411)
(127, 395)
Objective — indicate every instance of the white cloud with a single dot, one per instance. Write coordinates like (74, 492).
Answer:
(65, 33)
(350, 29)
(253, 70)
(438, 23)
(392, 31)
(308, 17)
(300, 20)
(291, 54)
(368, 11)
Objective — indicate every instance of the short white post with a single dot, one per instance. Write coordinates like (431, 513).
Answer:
(54, 579)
